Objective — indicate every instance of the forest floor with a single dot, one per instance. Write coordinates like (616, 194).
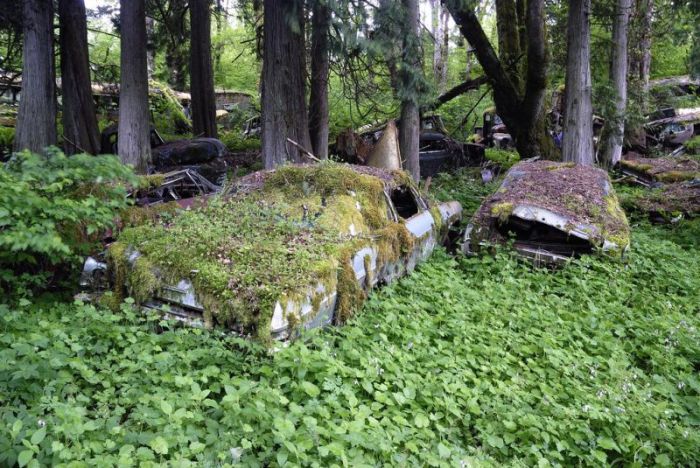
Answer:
(484, 360)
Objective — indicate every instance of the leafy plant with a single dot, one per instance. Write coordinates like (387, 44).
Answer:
(51, 207)
(505, 159)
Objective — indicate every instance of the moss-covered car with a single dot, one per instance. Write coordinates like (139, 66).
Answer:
(281, 250)
(552, 211)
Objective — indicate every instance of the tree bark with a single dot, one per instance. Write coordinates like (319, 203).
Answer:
(521, 110)
(645, 44)
(409, 129)
(320, 65)
(36, 120)
(201, 74)
(284, 114)
(577, 146)
(80, 130)
(440, 44)
(133, 139)
(618, 76)
(509, 46)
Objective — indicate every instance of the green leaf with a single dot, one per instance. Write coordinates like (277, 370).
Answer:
(608, 444)
(166, 407)
(663, 460)
(494, 441)
(421, 420)
(443, 451)
(24, 457)
(38, 436)
(159, 445)
(310, 389)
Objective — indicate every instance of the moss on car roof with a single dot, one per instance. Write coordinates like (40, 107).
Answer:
(270, 234)
(582, 194)
(667, 169)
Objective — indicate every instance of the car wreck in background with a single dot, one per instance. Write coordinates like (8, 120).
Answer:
(676, 167)
(280, 251)
(553, 211)
(203, 155)
(378, 144)
(670, 127)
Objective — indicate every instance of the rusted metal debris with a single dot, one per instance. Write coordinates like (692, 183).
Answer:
(554, 211)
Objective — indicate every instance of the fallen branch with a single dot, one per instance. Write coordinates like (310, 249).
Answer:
(458, 91)
(308, 153)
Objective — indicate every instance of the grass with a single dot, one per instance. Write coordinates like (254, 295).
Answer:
(481, 361)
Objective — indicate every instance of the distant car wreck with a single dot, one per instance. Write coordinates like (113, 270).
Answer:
(554, 211)
(676, 167)
(280, 251)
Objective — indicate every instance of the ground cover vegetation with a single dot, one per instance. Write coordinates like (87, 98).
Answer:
(482, 360)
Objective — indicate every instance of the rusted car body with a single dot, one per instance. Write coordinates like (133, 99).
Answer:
(650, 172)
(553, 211)
(362, 253)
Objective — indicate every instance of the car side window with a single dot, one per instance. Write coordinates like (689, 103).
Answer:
(404, 201)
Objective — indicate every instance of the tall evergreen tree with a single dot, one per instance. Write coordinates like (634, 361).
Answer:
(409, 76)
(320, 65)
(134, 129)
(201, 73)
(80, 130)
(577, 145)
(284, 113)
(612, 152)
(36, 121)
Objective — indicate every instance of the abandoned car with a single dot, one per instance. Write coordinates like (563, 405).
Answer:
(279, 251)
(438, 151)
(676, 167)
(554, 211)
(204, 155)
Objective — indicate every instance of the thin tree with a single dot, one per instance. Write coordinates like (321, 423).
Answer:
(618, 76)
(134, 129)
(409, 80)
(284, 113)
(36, 121)
(320, 64)
(80, 130)
(578, 116)
(201, 73)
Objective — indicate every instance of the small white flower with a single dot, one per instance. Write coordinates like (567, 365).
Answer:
(236, 453)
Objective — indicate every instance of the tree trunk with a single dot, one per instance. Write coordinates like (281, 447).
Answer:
(320, 63)
(578, 117)
(645, 44)
(438, 48)
(521, 110)
(444, 49)
(150, 46)
(203, 104)
(618, 77)
(509, 47)
(80, 130)
(133, 139)
(284, 114)
(409, 130)
(36, 121)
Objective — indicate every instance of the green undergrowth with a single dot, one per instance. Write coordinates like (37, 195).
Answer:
(465, 186)
(244, 253)
(481, 361)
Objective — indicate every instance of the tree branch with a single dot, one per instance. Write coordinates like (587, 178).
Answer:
(458, 90)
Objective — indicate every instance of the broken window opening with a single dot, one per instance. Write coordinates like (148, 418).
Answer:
(404, 202)
(536, 235)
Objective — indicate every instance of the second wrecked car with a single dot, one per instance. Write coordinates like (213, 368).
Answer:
(554, 211)
(283, 250)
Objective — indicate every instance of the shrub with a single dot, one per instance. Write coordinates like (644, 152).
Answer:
(235, 142)
(51, 207)
(693, 145)
(504, 158)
